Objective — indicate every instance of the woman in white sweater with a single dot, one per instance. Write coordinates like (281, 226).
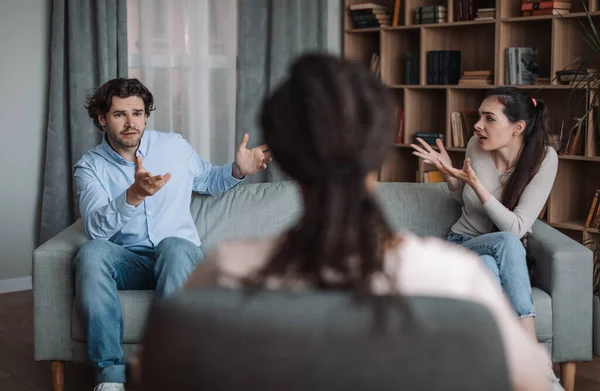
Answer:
(506, 179)
(329, 126)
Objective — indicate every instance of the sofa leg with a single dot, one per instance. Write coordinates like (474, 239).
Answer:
(567, 375)
(58, 375)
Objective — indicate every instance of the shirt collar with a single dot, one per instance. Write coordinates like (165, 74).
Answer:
(141, 151)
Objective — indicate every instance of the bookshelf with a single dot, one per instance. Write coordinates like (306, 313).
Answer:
(427, 108)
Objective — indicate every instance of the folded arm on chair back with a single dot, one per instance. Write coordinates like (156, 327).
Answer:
(215, 338)
(53, 293)
(563, 269)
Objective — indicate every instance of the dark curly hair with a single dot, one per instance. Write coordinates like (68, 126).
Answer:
(100, 101)
(328, 125)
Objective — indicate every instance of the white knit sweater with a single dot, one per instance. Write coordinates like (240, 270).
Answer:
(478, 219)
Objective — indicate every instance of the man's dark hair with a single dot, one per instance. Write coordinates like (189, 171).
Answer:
(100, 101)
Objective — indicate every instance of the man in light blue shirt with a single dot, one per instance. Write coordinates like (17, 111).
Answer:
(134, 192)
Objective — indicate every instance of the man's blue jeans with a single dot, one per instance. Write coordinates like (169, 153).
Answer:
(101, 269)
(504, 255)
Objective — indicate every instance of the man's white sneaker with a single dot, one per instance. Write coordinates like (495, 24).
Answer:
(110, 387)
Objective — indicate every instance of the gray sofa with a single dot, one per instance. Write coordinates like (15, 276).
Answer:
(562, 274)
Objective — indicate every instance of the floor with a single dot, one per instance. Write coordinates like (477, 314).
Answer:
(20, 372)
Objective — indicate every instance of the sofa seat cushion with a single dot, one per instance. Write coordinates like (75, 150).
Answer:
(542, 303)
(135, 306)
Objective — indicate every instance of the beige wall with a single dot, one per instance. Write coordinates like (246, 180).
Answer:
(24, 65)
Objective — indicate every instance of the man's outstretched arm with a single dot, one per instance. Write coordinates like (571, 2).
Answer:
(217, 179)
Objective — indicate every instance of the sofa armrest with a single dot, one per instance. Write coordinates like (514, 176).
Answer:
(563, 269)
(53, 293)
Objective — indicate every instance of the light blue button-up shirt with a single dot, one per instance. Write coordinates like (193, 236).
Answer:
(102, 178)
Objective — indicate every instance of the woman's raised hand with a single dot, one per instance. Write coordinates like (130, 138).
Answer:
(430, 155)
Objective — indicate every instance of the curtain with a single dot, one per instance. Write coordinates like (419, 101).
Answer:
(271, 34)
(88, 47)
(184, 51)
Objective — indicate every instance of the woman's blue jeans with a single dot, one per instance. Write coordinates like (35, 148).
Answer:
(504, 255)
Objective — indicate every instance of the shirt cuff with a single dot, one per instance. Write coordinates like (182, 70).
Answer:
(230, 180)
(122, 207)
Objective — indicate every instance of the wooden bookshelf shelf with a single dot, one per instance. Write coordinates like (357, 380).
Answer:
(572, 15)
(364, 31)
(409, 27)
(573, 226)
(482, 43)
(459, 24)
(581, 158)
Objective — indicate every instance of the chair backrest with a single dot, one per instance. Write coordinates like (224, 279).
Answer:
(226, 340)
(264, 209)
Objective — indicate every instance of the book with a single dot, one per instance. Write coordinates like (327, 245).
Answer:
(593, 210)
(364, 6)
(433, 176)
(546, 12)
(546, 5)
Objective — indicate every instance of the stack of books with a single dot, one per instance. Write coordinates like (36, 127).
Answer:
(369, 15)
(477, 78)
(485, 14)
(540, 7)
(429, 137)
(474, 10)
(431, 14)
(568, 76)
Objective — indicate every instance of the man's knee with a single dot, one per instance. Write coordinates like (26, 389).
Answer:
(175, 250)
(92, 257)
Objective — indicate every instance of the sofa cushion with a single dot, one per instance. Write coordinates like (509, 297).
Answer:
(424, 209)
(246, 211)
(264, 209)
(136, 304)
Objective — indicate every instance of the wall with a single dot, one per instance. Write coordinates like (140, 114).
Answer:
(24, 66)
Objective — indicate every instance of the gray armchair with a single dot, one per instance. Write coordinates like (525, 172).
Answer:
(562, 282)
(230, 340)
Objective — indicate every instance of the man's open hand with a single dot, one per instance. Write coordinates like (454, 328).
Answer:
(145, 184)
(250, 161)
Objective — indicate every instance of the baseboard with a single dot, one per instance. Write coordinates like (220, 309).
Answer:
(16, 284)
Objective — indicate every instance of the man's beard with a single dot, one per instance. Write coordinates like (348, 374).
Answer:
(127, 142)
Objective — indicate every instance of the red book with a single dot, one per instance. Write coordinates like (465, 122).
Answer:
(545, 12)
(565, 5)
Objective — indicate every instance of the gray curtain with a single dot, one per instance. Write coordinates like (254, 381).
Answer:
(88, 47)
(271, 34)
